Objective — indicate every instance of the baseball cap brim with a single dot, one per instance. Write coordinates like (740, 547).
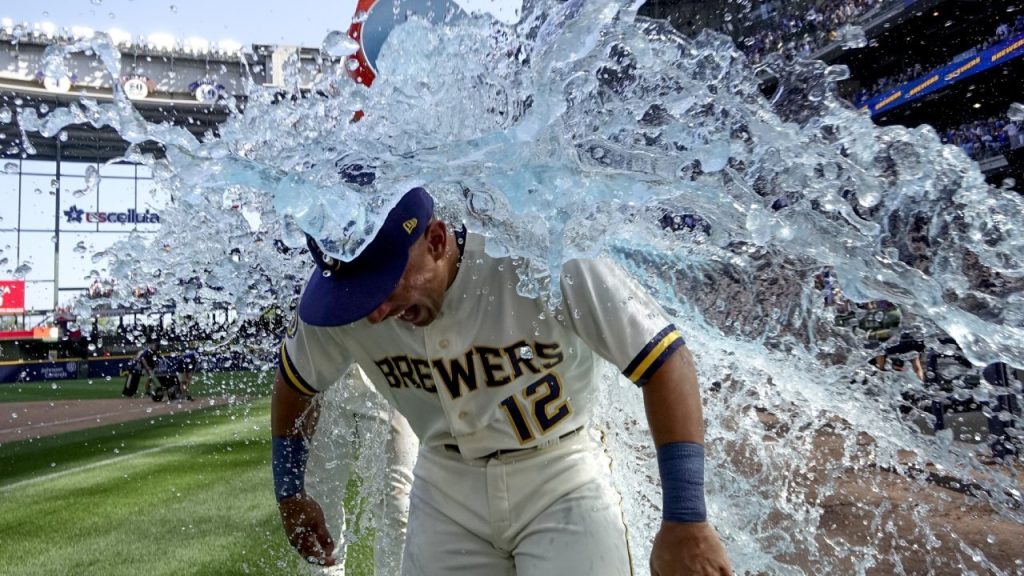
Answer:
(320, 300)
(340, 293)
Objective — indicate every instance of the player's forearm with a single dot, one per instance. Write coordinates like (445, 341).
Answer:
(287, 408)
(289, 446)
(672, 401)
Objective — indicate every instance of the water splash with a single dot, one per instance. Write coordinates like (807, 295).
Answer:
(582, 130)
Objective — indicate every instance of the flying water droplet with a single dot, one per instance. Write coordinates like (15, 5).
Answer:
(11, 168)
(339, 44)
(852, 37)
(869, 198)
(54, 67)
(1016, 112)
(837, 73)
(291, 234)
(92, 179)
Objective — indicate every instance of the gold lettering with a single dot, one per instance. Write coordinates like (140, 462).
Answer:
(923, 85)
(494, 368)
(552, 353)
(426, 378)
(888, 100)
(455, 373)
(513, 352)
(404, 368)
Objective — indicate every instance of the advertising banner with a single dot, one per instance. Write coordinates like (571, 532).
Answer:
(947, 75)
(36, 371)
(12, 296)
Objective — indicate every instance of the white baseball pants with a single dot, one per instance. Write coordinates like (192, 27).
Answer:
(541, 513)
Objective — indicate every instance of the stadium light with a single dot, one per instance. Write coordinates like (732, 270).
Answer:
(119, 36)
(229, 46)
(82, 32)
(47, 28)
(161, 41)
(59, 85)
(197, 44)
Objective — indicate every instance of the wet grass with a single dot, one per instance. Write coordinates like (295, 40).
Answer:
(182, 494)
(218, 383)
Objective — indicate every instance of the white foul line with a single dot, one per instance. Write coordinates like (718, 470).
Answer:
(53, 475)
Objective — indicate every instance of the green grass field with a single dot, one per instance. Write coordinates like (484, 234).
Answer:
(203, 384)
(182, 494)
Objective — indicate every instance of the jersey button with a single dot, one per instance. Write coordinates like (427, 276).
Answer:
(443, 344)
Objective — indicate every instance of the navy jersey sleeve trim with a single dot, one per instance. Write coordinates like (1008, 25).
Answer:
(291, 375)
(654, 354)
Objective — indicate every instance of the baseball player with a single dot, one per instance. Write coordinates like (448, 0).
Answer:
(187, 364)
(500, 391)
(147, 360)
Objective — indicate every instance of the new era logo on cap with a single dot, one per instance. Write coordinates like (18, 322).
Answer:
(409, 225)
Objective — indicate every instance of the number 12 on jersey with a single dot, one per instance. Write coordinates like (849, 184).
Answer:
(544, 408)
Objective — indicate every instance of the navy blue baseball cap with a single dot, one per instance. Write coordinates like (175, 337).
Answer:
(341, 292)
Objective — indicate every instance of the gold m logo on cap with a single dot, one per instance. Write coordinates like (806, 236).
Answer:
(410, 225)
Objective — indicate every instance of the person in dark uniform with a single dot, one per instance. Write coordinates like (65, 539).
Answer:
(1004, 408)
(146, 360)
(187, 364)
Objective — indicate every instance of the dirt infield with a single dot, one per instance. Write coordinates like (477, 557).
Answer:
(959, 526)
(25, 420)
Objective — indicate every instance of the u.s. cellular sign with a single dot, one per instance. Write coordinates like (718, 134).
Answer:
(76, 215)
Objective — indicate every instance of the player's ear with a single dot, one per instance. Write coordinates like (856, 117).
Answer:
(436, 237)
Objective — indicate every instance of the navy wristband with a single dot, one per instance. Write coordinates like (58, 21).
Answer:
(288, 459)
(682, 482)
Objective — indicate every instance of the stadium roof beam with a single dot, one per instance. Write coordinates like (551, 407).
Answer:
(85, 142)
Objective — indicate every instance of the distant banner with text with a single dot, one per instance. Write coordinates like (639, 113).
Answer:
(947, 75)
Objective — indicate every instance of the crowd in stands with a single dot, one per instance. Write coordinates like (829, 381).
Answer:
(1002, 32)
(984, 138)
(801, 27)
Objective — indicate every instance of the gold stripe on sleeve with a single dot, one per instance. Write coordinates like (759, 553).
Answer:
(654, 354)
(291, 377)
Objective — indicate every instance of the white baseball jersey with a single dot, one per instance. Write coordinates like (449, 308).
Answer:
(495, 370)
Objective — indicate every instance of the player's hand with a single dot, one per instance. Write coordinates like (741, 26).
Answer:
(304, 524)
(688, 549)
